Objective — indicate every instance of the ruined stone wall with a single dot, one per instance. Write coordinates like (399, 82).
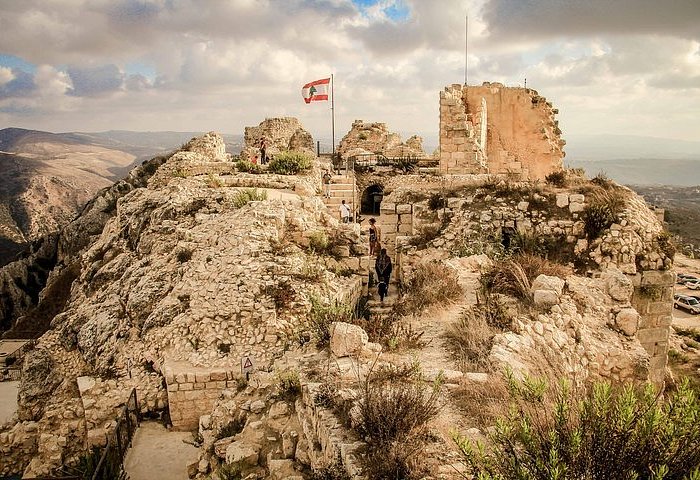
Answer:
(365, 137)
(521, 136)
(281, 134)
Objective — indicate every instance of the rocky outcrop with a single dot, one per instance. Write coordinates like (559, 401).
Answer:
(280, 134)
(366, 138)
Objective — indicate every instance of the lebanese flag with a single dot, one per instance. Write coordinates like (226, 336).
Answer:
(316, 91)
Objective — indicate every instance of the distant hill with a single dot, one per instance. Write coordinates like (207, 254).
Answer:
(46, 178)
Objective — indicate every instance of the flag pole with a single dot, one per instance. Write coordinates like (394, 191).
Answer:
(333, 115)
(466, 48)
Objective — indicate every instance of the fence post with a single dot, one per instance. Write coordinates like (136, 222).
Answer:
(318, 148)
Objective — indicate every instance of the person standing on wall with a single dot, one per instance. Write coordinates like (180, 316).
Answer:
(326, 180)
(263, 147)
(345, 212)
(375, 237)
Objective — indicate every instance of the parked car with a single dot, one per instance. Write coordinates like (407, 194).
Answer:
(681, 278)
(691, 304)
(693, 284)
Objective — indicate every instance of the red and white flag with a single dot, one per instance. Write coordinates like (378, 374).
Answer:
(316, 91)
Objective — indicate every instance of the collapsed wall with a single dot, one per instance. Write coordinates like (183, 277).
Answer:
(496, 129)
(375, 138)
(280, 134)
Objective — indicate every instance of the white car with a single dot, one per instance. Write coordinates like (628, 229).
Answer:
(693, 284)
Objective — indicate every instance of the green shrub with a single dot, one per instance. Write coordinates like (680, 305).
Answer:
(179, 173)
(247, 195)
(557, 178)
(323, 315)
(605, 433)
(288, 384)
(248, 166)
(289, 163)
(229, 472)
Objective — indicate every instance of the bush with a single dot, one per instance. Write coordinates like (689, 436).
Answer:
(214, 181)
(288, 384)
(281, 293)
(321, 317)
(436, 202)
(184, 255)
(431, 283)
(470, 339)
(392, 417)
(247, 195)
(666, 244)
(248, 167)
(557, 178)
(602, 180)
(427, 234)
(229, 472)
(605, 433)
(334, 471)
(289, 163)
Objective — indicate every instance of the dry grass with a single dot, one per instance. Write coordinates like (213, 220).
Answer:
(432, 283)
(514, 276)
(483, 403)
(470, 339)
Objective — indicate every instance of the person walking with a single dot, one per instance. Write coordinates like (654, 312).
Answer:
(326, 180)
(345, 212)
(375, 237)
(383, 268)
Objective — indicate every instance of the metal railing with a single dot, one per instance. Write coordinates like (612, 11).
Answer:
(10, 374)
(111, 464)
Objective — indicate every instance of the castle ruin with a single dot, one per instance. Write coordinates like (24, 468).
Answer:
(499, 130)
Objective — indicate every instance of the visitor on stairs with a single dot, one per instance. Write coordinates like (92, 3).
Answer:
(383, 268)
(344, 212)
(375, 237)
(327, 184)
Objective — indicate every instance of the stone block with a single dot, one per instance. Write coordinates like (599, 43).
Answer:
(388, 207)
(190, 377)
(658, 277)
(202, 377)
(562, 200)
(653, 335)
(404, 208)
(662, 308)
(577, 197)
(627, 321)
(218, 375)
(191, 395)
(406, 228)
(575, 207)
(347, 339)
(186, 386)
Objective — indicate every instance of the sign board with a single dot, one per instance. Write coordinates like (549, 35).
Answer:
(247, 365)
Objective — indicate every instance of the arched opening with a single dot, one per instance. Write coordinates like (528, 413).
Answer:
(371, 200)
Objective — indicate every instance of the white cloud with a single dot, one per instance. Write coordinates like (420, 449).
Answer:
(608, 66)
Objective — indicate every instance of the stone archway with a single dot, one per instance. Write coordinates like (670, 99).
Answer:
(371, 200)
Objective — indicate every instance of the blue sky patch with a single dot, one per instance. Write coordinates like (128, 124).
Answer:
(16, 62)
(396, 10)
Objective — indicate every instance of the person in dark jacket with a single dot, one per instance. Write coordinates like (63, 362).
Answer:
(383, 268)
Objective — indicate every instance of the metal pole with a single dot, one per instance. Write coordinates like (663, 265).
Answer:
(466, 48)
(333, 114)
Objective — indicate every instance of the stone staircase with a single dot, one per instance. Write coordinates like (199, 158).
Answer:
(342, 188)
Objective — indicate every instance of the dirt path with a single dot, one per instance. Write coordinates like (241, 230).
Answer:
(8, 400)
(159, 454)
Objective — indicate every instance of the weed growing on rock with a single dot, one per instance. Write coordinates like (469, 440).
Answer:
(288, 384)
(289, 163)
(179, 173)
(229, 471)
(436, 202)
(213, 181)
(281, 293)
(603, 209)
(665, 242)
(323, 315)
(247, 195)
(184, 255)
(333, 471)
(602, 433)
(470, 339)
(325, 395)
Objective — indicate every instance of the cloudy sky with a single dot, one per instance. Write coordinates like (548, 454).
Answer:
(610, 66)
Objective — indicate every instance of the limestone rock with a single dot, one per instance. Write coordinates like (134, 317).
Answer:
(627, 321)
(243, 455)
(39, 380)
(619, 286)
(546, 282)
(347, 339)
(281, 469)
